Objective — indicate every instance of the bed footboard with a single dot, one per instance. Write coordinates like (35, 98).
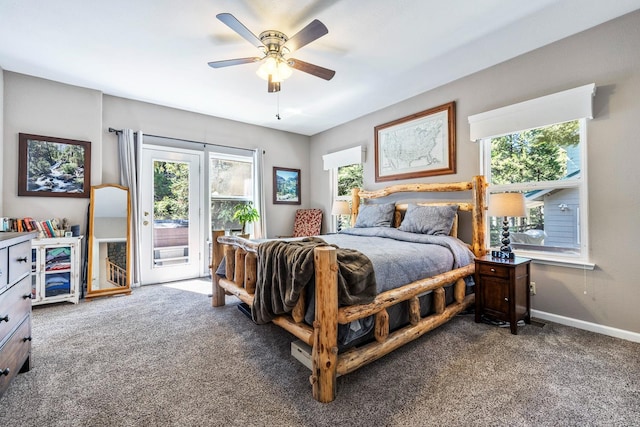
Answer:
(240, 278)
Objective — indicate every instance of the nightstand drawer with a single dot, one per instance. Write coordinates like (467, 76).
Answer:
(493, 270)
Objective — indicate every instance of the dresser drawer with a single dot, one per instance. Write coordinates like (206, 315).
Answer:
(15, 304)
(4, 269)
(14, 353)
(493, 270)
(19, 260)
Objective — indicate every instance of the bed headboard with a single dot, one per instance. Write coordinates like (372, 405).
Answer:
(477, 204)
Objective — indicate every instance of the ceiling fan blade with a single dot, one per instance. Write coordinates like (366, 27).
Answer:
(311, 32)
(316, 70)
(239, 28)
(230, 62)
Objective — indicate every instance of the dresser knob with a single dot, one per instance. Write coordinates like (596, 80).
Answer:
(506, 299)
(25, 339)
(26, 296)
(493, 270)
(6, 372)
(5, 319)
(23, 259)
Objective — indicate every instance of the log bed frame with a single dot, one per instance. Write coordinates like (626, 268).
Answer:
(241, 272)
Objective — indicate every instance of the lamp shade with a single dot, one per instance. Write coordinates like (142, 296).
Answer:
(506, 204)
(340, 207)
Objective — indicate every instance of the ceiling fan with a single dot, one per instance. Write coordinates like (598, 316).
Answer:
(275, 47)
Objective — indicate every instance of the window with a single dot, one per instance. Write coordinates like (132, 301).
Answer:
(346, 178)
(538, 148)
(231, 182)
(346, 173)
(546, 165)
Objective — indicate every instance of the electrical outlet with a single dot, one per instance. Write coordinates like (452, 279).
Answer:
(532, 288)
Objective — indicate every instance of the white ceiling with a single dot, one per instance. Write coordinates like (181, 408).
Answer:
(383, 51)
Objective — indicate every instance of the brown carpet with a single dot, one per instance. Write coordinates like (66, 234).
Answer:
(164, 357)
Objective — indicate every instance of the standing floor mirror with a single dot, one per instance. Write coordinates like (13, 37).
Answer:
(109, 257)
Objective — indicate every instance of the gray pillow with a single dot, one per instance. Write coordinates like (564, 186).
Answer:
(380, 215)
(436, 220)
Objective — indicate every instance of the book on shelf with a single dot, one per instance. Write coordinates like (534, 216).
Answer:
(45, 228)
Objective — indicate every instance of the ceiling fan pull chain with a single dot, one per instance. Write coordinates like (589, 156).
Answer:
(278, 105)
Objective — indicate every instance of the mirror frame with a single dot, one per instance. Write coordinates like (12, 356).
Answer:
(91, 293)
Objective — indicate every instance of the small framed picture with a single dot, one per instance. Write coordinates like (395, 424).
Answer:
(286, 186)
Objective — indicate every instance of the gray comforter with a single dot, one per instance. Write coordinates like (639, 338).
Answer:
(398, 258)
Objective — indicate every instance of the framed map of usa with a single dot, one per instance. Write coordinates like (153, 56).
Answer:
(419, 145)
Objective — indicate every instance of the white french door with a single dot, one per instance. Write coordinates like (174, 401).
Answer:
(172, 237)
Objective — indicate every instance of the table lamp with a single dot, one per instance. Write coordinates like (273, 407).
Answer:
(339, 208)
(506, 205)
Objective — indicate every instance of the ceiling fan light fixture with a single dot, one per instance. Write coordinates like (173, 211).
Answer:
(278, 70)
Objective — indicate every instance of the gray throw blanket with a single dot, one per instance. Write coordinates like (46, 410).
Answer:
(285, 268)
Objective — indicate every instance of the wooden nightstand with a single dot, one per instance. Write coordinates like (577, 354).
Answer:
(502, 290)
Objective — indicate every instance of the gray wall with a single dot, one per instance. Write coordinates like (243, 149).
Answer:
(608, 55)
(282, 149)
(44, 107)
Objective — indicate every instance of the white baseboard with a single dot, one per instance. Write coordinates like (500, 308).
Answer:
(587, 326)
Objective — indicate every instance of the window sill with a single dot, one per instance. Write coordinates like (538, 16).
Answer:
(559, 262)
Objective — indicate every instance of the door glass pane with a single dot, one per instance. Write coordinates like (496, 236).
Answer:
(170, 213)
(230, 184)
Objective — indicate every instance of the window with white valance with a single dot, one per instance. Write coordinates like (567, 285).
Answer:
(538, 148)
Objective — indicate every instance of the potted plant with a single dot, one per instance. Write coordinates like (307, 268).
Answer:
(245, 212)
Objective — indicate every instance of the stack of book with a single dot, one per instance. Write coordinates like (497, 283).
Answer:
(46, 228)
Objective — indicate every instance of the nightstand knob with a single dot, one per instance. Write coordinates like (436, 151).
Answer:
(506, 299)
(4, 319)
(493, 270)
(6, 372)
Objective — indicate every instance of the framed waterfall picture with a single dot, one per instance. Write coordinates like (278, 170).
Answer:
(419, 145)
(53, 167)
(286, 186)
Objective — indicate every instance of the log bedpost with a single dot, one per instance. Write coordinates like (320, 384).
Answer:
(250, 272)
(218, 293)
(479, 191)
(238, 274)
(324, 355)
(355, 205)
